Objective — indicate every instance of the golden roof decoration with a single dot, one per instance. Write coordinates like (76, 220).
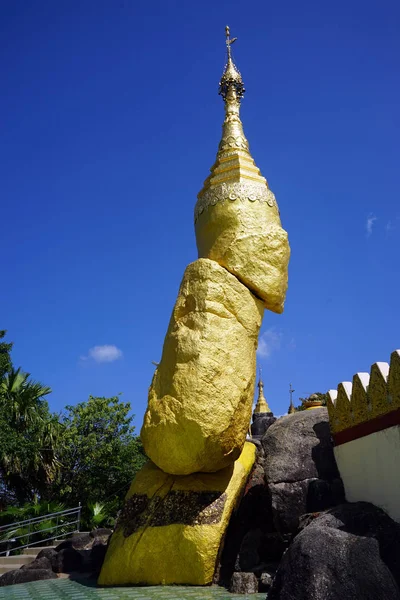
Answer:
(262, 404)
(231, 76)
(368, 396)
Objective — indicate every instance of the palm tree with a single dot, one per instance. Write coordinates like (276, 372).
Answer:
(30, 465)
(23, 398)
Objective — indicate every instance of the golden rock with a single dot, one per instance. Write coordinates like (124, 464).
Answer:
(242, 238)
(200, 399)
(171, 528)
(237, 219)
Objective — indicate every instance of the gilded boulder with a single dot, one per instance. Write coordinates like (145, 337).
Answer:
(246, 238)
(171, 528)
(200, 399)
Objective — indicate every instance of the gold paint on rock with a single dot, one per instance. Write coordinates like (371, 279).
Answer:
(200, 399)
(178, 552)
(237, 219)
(242, 238)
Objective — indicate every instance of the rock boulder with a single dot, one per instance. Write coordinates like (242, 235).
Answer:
(171, 527)
(300, 467)
(39, 563)
(78, 541)
(68, 560)
(26, 575)
(261, 423)
(201, 396)
(243, 583)
(350, 552)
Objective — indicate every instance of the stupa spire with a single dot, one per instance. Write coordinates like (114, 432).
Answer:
(236, 216)
(231, 79)
(262, 404)
(234, 175)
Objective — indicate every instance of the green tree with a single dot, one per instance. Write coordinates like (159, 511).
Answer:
(23, 399)
(5, 358)
(29, 437)
(100, 453)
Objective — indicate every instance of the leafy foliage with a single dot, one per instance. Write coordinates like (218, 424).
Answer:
(90, 454)
(35, 532)
(28, 436)
(5, 358)
(100, 453)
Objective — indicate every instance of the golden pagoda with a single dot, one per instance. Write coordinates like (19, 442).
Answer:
(262, 404)
(237, 220)
(201, 396)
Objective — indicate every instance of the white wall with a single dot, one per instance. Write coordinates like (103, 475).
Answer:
(370, 469)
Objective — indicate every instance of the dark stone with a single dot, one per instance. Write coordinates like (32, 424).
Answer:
(257, 477)
(273, 546)
(79, 541)
(300, 468)
(261, 423)
(188, 508)
(298, 447)
(306, 520)
(249, 554)
(39, 563)
(102, 532)
(253, 513)
(68, 560)
(49, 553)
(257, 443)
(366, 520)
(328, 564)
(97, 557)
(323, 494)
(26, 575)
(265, 582)
(290, 501)
(244, 583)
(134, 513)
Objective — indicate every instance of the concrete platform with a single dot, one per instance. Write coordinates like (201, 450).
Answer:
(72, 590)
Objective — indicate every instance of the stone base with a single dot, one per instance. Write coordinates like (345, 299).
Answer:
(171, 528)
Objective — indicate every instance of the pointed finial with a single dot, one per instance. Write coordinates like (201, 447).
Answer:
(262, 404)
(229, 41)
(260, 383)
(231, 78)
(291, 409)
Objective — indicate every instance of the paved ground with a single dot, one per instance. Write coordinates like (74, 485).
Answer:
(65, 589)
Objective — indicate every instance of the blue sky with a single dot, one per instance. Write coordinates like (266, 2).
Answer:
(110, 121)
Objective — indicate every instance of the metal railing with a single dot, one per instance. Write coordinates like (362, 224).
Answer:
(25, 530)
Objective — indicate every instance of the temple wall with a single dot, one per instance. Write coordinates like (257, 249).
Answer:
(364, 417)
(369, 467)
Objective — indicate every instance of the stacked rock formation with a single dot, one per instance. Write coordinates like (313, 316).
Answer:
(200, 400)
